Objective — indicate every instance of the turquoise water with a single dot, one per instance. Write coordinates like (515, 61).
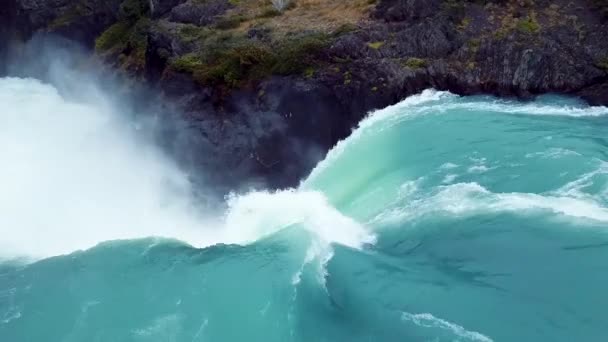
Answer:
(442, 218)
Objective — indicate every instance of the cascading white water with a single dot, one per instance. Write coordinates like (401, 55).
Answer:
(75, 174)
(78, 173)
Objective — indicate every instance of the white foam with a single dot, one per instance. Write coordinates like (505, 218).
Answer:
(479, 165)
(520, 108)
(472, 198)
(478, 169)
(450, 178)
(576, 188)
(448, 166)
(258, 214)
(427, 320)
(553, 153)
(532, 108)
(11, 315)
(74, 175)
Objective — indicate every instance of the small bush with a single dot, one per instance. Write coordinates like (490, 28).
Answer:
(127, 40)
(375, 45)
(189, 33)
(113, 36)
(295, 55)
(187, 63)
(232, 60)
(415, 63)
(528, 25)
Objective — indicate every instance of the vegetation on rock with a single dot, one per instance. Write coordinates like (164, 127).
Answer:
(415, 63)
(528, 25)
(245, 41)
(375, 45)
(232, 60)
(128, 38)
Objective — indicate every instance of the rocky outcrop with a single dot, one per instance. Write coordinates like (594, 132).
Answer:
(255, 119)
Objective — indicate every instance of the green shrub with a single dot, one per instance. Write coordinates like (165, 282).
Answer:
(227, 65)
(231, 60)
(375, 45)
(296, 54)
(115, 35)
(127, 40)
(187, 63)
(190, 33)
(528, 25)
(309, 72)
(414, 63)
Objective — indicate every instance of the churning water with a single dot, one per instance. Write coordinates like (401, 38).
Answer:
(442, 218)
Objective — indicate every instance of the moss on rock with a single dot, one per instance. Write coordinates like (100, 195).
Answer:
(115, 35)
(375, 45)
(528, 25)
(232, 60)
(414, 63)
(127, 40)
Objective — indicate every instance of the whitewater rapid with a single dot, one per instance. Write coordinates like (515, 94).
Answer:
(441, 218)
(77, 173)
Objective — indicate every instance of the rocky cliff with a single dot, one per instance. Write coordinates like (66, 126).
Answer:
(267, 92)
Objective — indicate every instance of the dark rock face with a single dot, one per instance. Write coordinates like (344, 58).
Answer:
(272, 131)
(159, 8)
(7, 25)
(400, 10)
(82, 20)
(38, 13)
(198, 13)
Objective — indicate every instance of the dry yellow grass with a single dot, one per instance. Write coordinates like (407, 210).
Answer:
(318, 15)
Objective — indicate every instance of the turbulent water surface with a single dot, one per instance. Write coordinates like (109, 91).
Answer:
(442, 218)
